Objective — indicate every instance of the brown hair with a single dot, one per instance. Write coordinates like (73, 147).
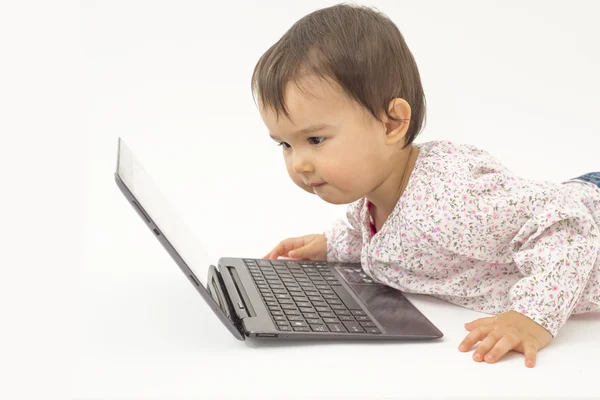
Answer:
(359, 48)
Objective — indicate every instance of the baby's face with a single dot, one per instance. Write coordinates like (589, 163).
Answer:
(332, 147)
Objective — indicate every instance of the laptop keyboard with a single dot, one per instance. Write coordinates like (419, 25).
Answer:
(305, 296)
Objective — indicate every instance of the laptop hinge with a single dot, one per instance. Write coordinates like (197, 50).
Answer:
(242, 304)
(216, 288)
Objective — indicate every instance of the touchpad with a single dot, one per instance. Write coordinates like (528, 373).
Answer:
(391, 309)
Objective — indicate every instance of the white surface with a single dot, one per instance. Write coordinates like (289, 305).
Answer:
(518, 78)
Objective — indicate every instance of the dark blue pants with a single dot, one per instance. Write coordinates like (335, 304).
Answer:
(593, 177)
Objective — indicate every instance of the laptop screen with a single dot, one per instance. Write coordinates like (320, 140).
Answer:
(162, 213)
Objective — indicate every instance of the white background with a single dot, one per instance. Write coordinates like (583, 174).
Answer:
(517, 78)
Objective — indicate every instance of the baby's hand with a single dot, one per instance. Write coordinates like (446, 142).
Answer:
(503, 333)
(309, 247)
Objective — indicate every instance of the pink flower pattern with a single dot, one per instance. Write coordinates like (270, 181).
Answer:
(468, 231)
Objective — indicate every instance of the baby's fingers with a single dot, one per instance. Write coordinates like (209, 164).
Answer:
(475, 336)
(530, 351)
(503, 346)
(284, 247)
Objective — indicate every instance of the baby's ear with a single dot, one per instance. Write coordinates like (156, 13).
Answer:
(396, 128)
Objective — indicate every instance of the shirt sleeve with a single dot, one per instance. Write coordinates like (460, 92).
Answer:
(344, 239)
(556, 251)
(484, 212)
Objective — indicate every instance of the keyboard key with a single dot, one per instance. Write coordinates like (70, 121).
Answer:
(319, 304)
(279, 318)
(272, 303)
(346, 318)
(279, 291)
(330, 296)
(336, 327)
(286, 301)
(372, 330)
(323, 309)
(274, 308)
(284, 328)
(314, 321)
(310, 315)
(363, 318)
(337, 307)
(296, 318)
(283, 296)
(353, 327)
(324, 292)
(319, 328)
(282, 323)
(301, 329)
(302, 303)
(290, 312)
(358, 312)
(315, 298)
(330, 301)
(341, 312)
(306, 286)
(307, 309)
(346, 298)
(277, 263)
(289, 306)
(276, 312)
(298, 323)
(324, 287)
(263, 263)
(331, 320)
(368, 323)
(327, 314)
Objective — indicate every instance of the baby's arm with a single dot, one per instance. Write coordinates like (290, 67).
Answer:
(558, 251)
(555, 250)
(344, 242)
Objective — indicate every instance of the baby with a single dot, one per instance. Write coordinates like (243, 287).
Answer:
(340, 92)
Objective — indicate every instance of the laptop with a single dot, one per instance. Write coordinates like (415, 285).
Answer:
(274, 299)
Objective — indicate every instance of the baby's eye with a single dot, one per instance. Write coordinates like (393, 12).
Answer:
(284, 145)
(316, 140)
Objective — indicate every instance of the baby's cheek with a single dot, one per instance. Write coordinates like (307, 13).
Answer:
(342, 173)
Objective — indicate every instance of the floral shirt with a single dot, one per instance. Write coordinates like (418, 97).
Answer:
(468, 231)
